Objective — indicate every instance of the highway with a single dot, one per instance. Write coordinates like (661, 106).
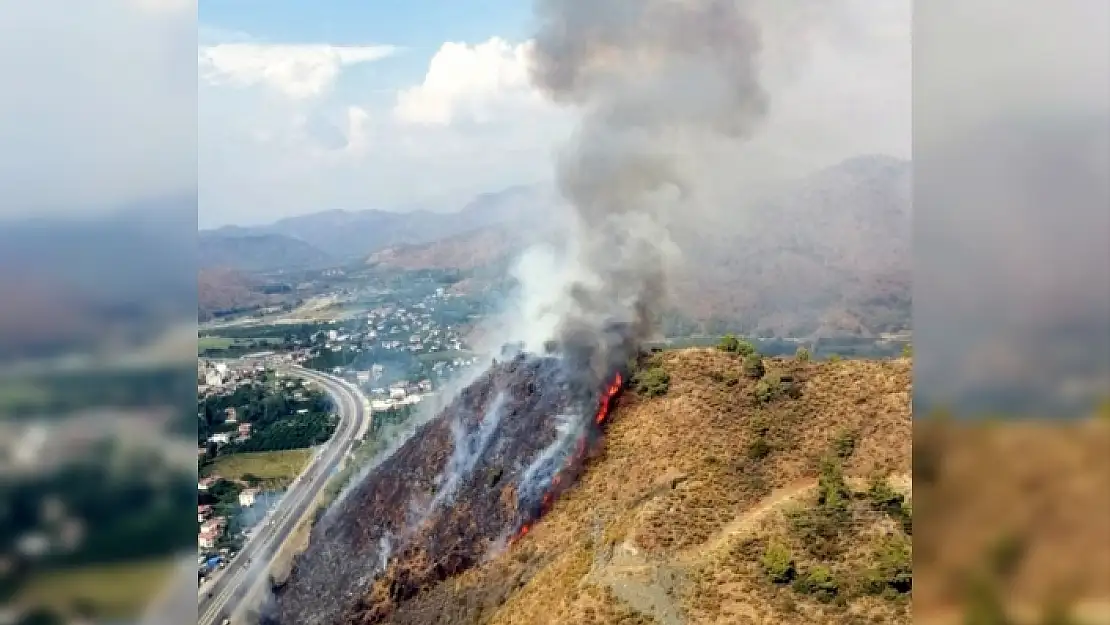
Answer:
(222, 598)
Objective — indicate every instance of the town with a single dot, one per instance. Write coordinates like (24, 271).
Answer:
(260, 425)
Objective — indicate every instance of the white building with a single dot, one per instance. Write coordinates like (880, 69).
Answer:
(246, 497)
(220, 438)
(396, 393)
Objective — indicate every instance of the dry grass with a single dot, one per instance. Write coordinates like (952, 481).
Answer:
(629, 542)
(1035, 489)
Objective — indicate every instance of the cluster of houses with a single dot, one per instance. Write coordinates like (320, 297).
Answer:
(396, 328)
(399, 395)
(219, 377)
(242, 432)
(213, 527)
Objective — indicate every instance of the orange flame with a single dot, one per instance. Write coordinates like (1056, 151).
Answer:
(606, 399)
(604, 406)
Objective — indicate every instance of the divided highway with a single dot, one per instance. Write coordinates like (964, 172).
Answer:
(224, 595)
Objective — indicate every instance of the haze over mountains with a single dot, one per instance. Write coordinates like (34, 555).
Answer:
(826, 254)
(338, 236)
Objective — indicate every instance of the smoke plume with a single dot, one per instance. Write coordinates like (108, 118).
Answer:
(656, 83)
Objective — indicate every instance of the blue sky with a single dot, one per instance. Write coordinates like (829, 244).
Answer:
(272, 108)
(315, 105)
(310, 106)
(419, 24)
(419, 27)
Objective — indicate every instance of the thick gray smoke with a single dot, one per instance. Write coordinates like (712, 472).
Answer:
(657, 84)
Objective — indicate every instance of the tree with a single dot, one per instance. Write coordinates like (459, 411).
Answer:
(802, 355)
(753, 366)
(729, 343)
(732, 345)
(778, 564)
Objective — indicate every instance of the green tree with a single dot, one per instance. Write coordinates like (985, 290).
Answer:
(753, 366)
(729, 343)
(778, 563)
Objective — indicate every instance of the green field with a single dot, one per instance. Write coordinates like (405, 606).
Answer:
(21, 394)
(205, 343)
(114, 591)
(274, 468)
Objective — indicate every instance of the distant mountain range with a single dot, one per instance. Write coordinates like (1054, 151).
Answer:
(828, 254)
(339, 236)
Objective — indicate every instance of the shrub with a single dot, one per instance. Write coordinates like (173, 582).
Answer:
(768, 388)
(759, 449)
(753, 366)
(818, 581)
(832, 491)
(728, 344)
(733, 345)
(652, 382)
(834, 358)
(907, 350)
(802, 355)
(778, 564)
(845, 444)
(885, 499)
(893, 570)
(818, 530)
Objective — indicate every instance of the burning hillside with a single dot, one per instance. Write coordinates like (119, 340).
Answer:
(468, 483)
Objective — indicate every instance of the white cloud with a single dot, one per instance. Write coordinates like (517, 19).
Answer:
(472, 82)
(470, 122)
(296, 70)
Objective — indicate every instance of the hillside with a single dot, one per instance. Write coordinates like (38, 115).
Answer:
(683, 499)
(223, 290)
(827, 255)
(257, 252)
(466, 251)
(345, 235)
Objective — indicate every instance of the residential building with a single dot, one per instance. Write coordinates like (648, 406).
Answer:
(222, 438)
(231, 416)
(247, 496)
(244, 430)
(207, 539)
(205, 482)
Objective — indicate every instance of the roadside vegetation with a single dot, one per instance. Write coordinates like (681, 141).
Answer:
(267, 469)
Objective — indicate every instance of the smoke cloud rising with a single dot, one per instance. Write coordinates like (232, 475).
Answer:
(657, 83)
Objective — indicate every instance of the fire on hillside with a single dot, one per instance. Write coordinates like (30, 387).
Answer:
(468, 484)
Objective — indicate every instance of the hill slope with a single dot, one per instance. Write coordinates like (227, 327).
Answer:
(346, 235)
(221, 290)
(258, 252)
(681, 482)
